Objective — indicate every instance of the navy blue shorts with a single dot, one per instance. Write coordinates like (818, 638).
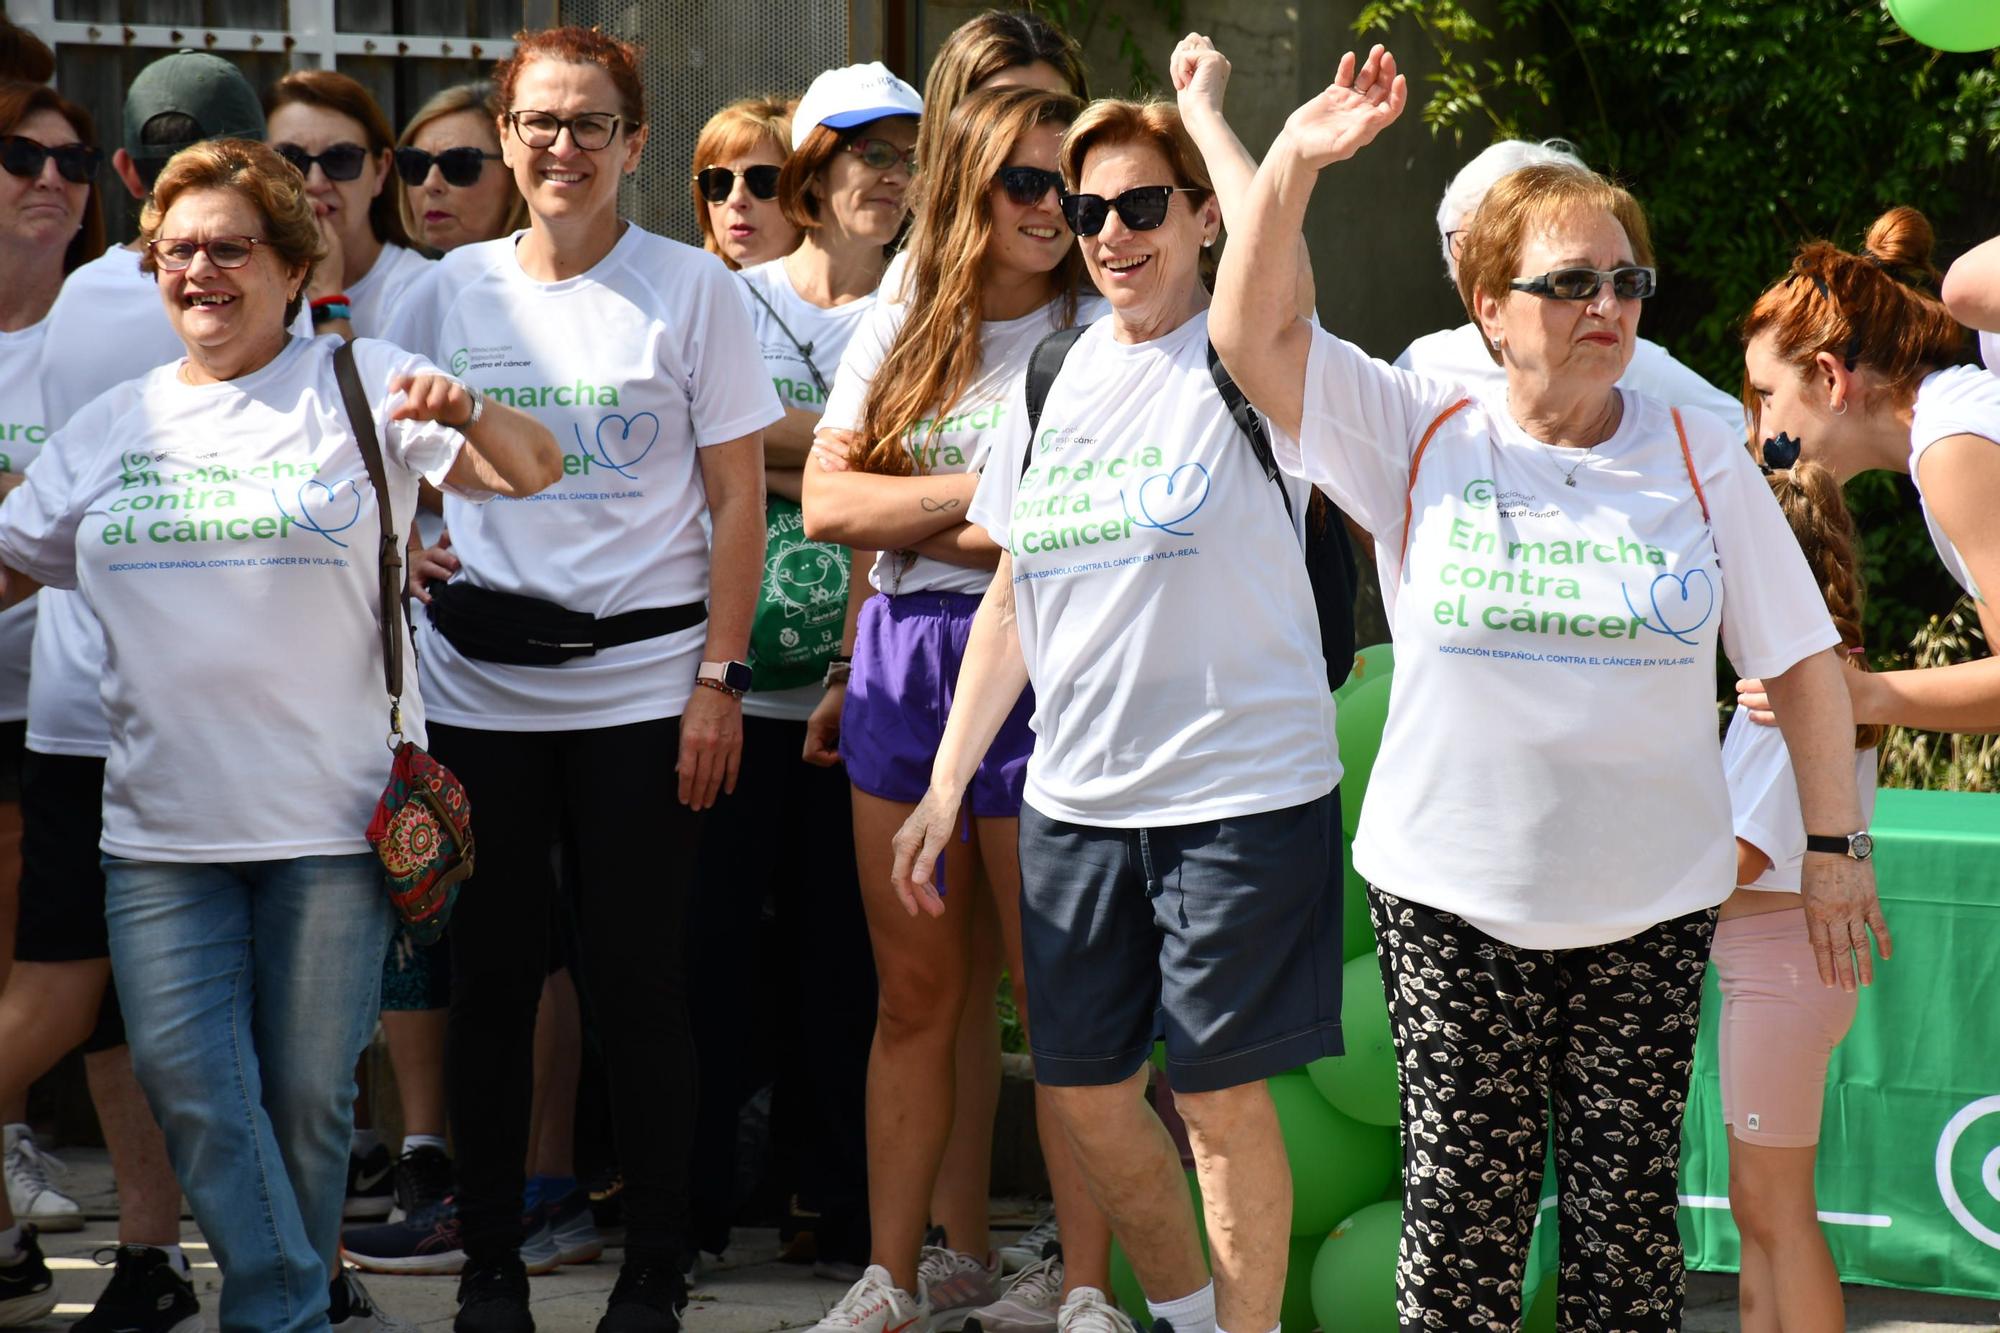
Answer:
(1222, 937)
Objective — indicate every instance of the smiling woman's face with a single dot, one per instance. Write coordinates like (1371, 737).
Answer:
(233, 315)
(1561, 340)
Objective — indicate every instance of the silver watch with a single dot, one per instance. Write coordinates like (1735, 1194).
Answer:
(478, 408)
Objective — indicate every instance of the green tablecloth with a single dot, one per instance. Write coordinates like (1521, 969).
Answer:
(1909, 1155)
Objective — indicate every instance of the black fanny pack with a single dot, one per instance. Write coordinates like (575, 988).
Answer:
(519, 630)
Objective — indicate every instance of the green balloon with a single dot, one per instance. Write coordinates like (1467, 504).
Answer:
(1338, 1164)
(1542, 1319)
(1370, 663)
(1361, 1083)
(1949, 25)
(1354, 1277)
(1125, 1286)
(1358, 723)
(1296, 1315)
(1357, 929)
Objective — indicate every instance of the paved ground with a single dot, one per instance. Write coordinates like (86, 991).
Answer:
(750, 1292)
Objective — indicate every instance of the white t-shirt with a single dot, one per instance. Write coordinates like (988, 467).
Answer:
(108, 326)
(634, 365)
(1459, 355)
(1162, 603)
(227, 539)
(377, 295)
(986, 419)
(1764, 798)
(1550, 770)
(23, 431)
(825, 332)
(1989, 351)
(1962, 400)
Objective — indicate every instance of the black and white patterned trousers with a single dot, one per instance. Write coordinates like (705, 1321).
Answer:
(1490, 1037)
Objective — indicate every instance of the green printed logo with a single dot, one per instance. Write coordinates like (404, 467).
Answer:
(1517, 583)
(461, 361)
(159, 505)
(1479, 493)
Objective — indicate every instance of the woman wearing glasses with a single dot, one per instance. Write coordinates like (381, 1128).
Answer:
(845, 188)
(1547, 830)
(737, 158)
(926, 394)
(1182, 723)
(326, 125)
(247, 926)
(585, 667)
(455, 189)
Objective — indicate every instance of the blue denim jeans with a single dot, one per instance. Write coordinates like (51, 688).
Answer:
(250, 989)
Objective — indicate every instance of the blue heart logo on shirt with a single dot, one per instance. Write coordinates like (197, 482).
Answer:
(319, 505)
(1179, 494)
(617, 447)
(1674, 604)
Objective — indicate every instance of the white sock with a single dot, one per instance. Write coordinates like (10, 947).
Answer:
(363, 1142)
(412, 1142)
(1193, 1313)
(175, 1257)
(11, 1249)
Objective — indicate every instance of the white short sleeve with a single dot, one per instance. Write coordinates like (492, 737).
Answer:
(424, 447)
(729, 395)
(39, 518)
(847, 404)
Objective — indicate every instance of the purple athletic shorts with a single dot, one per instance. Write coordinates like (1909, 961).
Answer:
(906, 655)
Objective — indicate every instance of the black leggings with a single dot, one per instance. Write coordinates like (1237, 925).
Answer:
(614, 790)
(1487, 1036)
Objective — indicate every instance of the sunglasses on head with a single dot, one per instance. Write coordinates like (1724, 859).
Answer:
(881, 155)
(75, 162)
(341, 162)
(717, 182)
(1028, 186)
(1141, 209)
(1629, 282)
(458, 166)
(175, 253)
(1781, 452)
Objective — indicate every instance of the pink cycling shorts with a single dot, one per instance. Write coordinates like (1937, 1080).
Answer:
(1779, 1026)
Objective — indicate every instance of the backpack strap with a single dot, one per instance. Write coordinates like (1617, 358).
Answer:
(805, 350)
(1687, 458)
(1417, 461)
(1044, 364)
(361, 420)
(1250, 424)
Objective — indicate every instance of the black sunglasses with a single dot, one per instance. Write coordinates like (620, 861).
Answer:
(75, 162)
(1629, 282)
(458, 166)
(1028, 186)
(1141, 209)
(341, 162)
(1781, 451)
(717, 182)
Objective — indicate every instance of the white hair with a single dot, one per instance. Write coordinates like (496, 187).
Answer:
(1462, 197)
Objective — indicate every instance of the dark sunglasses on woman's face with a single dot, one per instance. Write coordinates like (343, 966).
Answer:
(1629, 282)
(717, 182)
(24, 157)
(1028, 186)
(458, 166)
(1141, 209)
(341, 162)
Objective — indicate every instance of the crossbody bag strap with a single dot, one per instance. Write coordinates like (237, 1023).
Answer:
(1687, 458)
(804, 350)
(361, 420)
(1417, 461)
(1249, 425)
(1044, 364)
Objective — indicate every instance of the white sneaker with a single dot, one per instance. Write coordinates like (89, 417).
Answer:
(955, 1285)
(1089, 1310)
(29, 1192)
(1031, 1302)
(875, 1304)
(1032, 1246)
(362, 1314)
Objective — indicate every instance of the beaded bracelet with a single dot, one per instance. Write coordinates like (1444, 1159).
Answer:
(329, 308)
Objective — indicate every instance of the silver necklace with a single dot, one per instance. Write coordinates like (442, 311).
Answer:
(1569, 477)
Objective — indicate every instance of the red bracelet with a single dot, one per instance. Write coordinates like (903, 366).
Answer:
(341, 299)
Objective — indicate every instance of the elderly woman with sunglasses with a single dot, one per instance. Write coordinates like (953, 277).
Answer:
(737, 158)
(455, 190)
(1547, 832)
(1183, 733)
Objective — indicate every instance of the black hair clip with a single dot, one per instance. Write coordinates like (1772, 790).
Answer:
(1781, 451)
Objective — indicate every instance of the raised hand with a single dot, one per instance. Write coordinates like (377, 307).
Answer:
(1361, 102)
(1200, 73)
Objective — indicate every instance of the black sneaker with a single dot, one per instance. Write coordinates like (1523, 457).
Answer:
(27, 1292)
(423, 1179)
(429, 1241)
(493, 1298)
(370, 1185)
(145, 1295)
(649, 1298)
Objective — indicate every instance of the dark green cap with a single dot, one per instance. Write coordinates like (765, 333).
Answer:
(206, 89)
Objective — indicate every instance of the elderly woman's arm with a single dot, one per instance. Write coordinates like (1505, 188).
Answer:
(1840, 902)
(507, 451)
(1200, 74)
(1254, 321)
(1972, 287)
(990, 680)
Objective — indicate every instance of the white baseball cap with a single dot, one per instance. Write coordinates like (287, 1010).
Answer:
(843, 98)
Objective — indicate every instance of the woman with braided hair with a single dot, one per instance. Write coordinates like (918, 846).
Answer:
(1779, 1028)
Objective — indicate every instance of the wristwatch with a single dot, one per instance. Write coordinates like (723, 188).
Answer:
(478, 408)
(732, 678)
(1857, 846)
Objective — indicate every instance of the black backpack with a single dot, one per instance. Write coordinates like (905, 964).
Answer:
(1330, 563)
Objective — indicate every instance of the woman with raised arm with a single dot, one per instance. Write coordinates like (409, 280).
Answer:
(1547, 831)
(1179, 854)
